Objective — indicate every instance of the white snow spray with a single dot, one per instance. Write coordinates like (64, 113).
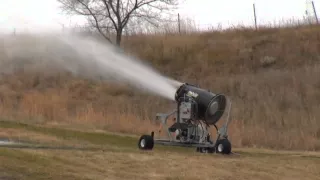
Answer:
(84, 56)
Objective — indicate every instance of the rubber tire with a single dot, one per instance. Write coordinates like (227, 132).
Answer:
(210, 150)
(226, 146)
(201, 150)
(205, 150)
(148, 142)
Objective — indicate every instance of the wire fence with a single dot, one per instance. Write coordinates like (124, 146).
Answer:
(310, 17)
(185, 25)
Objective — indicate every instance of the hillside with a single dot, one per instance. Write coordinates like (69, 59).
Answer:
(272, 76)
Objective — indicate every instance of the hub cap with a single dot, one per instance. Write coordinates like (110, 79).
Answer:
(220, 148)
(143, 143)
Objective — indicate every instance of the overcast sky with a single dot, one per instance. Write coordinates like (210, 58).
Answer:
(31, 14)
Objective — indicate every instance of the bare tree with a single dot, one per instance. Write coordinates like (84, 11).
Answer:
(112, 16)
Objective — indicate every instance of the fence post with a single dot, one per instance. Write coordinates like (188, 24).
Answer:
(255, 16)
(179, 25)
(315, 12)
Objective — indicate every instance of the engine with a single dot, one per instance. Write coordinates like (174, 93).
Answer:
(197, 109)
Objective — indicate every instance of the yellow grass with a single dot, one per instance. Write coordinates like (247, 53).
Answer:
(272, 76)
(158, 166)
(124, 161)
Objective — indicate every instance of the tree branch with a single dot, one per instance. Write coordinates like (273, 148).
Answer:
(95, 19)
(115, 15)
(109, 14)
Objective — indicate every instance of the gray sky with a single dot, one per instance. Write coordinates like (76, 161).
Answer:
(45, 14)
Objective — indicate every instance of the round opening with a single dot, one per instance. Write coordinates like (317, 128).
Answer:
(214, 107)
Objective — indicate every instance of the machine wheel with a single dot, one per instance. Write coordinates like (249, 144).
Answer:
(223, 146)
(201, 150)
(210, 150)
(205, 150)
(146, 142)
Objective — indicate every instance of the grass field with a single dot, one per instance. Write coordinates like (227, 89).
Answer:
(105, 156)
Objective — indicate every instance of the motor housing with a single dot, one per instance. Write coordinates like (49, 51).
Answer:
(210, 106)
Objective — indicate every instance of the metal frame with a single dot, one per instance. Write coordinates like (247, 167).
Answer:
(163, 118)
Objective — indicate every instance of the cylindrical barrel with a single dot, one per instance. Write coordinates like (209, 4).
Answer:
(210, 106)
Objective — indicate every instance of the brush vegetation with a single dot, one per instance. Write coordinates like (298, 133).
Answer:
(271, 75)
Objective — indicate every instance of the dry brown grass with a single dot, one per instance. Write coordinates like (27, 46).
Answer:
(41, 164)
(272, 76)
(117, 157)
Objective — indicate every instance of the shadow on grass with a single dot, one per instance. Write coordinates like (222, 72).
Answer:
(99, 141)
(103, 141)
(92, 137)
